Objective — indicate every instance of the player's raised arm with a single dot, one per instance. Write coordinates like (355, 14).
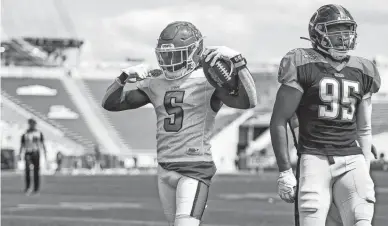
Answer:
(115, 99)
(246, 95)
(243, 96)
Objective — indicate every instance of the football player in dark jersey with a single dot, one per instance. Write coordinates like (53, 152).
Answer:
(330, 91)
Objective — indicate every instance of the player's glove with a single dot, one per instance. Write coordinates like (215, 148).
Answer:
(135, 73)
(214, 53)
(287, 186)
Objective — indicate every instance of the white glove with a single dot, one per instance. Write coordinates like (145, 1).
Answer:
(138, 72)
(287, 186)
(215, 52)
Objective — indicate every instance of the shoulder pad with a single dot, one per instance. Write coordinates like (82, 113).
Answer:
(287, 73)
(144, 84)
(302, 56)
(365, 65)
(368, 68)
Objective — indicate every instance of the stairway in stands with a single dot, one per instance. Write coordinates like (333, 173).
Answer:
(101, 128)
(74, 138)
(103, 117)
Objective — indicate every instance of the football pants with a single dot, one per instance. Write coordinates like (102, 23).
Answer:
(346, 182)
(183, 198)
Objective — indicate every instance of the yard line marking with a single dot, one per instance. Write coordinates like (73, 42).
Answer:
(75, 205)
(382, 190)
(94, 220)
(249, 196)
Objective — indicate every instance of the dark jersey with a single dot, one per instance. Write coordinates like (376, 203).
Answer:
(32, 141)
(331, 95)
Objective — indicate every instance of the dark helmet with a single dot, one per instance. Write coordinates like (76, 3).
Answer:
(31, 121)
(179, 48)
(323, 39)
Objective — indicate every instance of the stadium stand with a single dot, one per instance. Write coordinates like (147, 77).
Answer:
(13, 125)
(137, 127)
(379, 118)
(42, 105)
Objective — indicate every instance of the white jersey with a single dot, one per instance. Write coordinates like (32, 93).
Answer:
(185, 118)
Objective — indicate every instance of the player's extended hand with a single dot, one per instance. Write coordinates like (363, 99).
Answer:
(287, 185)
(138, 72)
(213, 53)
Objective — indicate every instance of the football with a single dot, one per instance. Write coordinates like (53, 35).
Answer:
(221, 75)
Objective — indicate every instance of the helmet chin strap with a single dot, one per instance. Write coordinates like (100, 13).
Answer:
(335, 54)
(177, 74)
(174, 75)
(338, 55)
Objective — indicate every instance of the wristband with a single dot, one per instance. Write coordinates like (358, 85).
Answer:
(238, 62)
(123, 78)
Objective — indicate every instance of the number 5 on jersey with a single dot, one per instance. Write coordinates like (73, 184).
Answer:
(175, 121)
(330, 92)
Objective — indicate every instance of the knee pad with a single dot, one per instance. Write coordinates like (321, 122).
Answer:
(186, 220)
(308, 202)
(363, 214)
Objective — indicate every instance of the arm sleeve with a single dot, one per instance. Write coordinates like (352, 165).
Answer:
(372, 80)
(246, 97)
(364, 127)
(287, 74)
(116, 99)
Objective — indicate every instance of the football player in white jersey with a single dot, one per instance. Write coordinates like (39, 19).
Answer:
(186, 106)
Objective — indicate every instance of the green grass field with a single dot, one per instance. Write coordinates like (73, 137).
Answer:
(133, 201)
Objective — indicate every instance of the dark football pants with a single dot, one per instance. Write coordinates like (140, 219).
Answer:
(32, 159)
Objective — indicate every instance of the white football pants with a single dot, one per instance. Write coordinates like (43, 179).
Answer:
(183, 198)
(346, 182)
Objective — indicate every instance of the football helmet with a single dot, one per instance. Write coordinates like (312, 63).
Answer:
(332, 30)
(179, 49)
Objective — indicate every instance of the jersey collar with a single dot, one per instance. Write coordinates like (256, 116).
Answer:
(338, 66)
